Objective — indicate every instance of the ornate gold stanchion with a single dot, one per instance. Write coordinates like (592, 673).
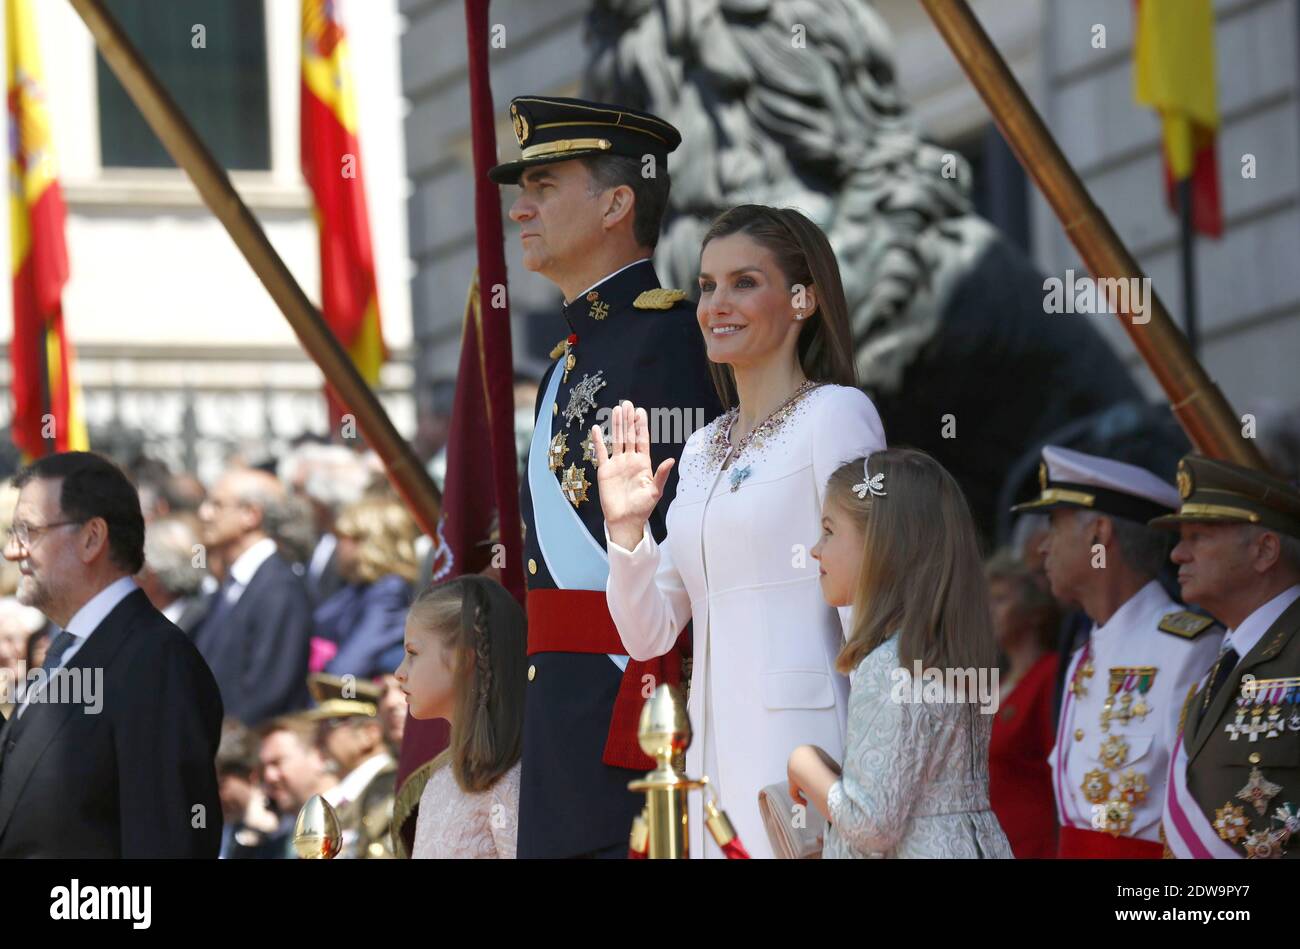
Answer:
(316, 832)
(664, 732)
(662, 831)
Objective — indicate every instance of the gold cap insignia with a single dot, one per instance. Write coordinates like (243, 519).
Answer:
(521, 125)
(660, 299)
(1042, 476)
(1184, 481)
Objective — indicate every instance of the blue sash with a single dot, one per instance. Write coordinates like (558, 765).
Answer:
(573, 557)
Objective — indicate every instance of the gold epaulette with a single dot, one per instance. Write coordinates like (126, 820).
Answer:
(558, 349)
(1186, 624)
(660, 299)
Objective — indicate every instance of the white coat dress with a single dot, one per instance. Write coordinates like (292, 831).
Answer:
(737, 563)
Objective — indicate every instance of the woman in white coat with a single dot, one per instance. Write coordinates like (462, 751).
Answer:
(746, 513)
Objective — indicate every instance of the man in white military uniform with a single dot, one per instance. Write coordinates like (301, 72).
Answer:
(1126, 685)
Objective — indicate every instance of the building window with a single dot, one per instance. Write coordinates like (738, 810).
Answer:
(221, 86)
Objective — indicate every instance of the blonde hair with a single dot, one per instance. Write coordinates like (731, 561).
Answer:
(485, 628)
(922, 575)
(386, 534)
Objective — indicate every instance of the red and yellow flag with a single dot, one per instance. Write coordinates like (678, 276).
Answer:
(1174, 73)
(331, 163)
(48, 412)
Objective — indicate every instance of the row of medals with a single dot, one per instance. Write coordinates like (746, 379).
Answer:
(1125, 701)
(1279, 699)
(582, 399)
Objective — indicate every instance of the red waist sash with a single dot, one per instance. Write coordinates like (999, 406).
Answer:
(579, 621)
(1094, 845)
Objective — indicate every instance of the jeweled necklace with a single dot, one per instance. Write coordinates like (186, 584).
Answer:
(774, 417)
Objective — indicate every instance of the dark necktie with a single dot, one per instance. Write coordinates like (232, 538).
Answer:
(53, 656)
(1223, 667)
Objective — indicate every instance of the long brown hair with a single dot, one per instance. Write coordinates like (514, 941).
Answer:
(825, 344)
(484, 627)
(921, 576)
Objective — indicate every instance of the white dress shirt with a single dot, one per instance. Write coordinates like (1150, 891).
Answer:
(245, 566)
(87, 619)
(320, 557)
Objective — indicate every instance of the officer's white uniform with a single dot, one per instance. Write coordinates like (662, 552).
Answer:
(1125, 687)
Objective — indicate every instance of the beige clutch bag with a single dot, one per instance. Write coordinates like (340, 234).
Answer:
(796, 832)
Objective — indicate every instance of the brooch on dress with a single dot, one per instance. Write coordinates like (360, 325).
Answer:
(738, 476)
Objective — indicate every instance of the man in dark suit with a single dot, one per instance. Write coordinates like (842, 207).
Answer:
(256, 636)
(594, 184)
(110, 752)
(172, 579)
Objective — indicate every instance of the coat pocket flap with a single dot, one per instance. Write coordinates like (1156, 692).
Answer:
(1134, 747)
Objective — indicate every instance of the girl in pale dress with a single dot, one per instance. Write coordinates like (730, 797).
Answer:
(735, 561)
(465, 646)
(898, 543)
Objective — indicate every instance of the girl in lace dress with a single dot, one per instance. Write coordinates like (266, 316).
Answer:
(899, 545)
(465, 646)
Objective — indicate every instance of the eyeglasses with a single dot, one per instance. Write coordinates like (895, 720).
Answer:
(23, 533)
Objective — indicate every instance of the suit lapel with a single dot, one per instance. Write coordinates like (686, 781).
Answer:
(98, 652)
(1270, 644)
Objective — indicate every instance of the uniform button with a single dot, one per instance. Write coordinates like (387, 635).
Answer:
(532, 673)
(1254, 757)
(532, 565)
(555, 408)
(1078, 734)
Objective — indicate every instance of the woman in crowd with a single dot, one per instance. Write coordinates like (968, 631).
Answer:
(749, 498)
(465, 655)
(898, 544)
(1025, 619)
(359, 627)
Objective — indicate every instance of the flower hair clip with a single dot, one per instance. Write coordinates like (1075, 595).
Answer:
(875, 485)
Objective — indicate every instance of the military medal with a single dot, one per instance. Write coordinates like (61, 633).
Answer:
(1108, 707)
(1123, 680)
(1290, 819)
(575, 485)
(1264, 845)
(555, 454)
(1118, 818)
(582, 397)
(1114, 752)
(1146, 678)
(1133, 787)
(1082, 671)
(589, 447)
(1096, 786)
(1230, 822)
(1258, 791)
(1236, 729)
(1256, 725)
